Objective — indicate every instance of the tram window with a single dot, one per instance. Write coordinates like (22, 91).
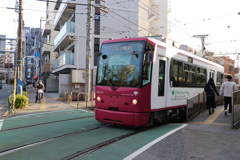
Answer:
(190, 60)
(219, 78)
(176, 74)
(201, 77)
(147, 66)
(186, 67)
(161, 79)
(189, 79)
(189, 75)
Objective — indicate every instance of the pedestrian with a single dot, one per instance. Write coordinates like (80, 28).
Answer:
(211, 90)
(227, 90)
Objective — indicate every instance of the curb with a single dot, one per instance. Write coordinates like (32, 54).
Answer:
(6, 112)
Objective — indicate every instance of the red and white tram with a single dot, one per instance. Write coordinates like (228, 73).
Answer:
(141, 80)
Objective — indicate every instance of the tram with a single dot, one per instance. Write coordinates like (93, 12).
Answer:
(143, 80)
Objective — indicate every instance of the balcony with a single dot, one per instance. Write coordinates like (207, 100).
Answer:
(62, 39)
(45, 67)
(47, 28)
(153, 12)
(46, 49)
(65, 10)
(58, 2)
(64, 63)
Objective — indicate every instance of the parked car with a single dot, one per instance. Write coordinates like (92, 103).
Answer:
(0, 85)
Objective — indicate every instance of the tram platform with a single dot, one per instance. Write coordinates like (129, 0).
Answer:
(206, 137)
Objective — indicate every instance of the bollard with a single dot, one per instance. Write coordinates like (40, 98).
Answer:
(9, 104)
(78, 98)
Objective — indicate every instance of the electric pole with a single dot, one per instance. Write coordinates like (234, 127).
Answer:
(20, 24)
(88, 48)
(202, 37)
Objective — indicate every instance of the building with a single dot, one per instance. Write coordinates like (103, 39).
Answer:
(48, 35)
(6, 58)
(228, 65)
(31, 64)
(66, 26)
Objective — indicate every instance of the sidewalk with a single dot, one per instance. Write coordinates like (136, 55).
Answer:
(48, 103)
(207, 137)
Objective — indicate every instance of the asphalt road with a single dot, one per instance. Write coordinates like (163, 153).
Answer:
(5, 92)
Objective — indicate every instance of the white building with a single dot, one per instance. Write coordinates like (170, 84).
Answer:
(65, 29)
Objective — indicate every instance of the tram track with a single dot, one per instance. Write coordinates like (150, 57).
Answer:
(14, 149)
(104, 144)
(39, 124)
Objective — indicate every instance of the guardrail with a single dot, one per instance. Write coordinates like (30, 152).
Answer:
(67, 97)
(235, 121)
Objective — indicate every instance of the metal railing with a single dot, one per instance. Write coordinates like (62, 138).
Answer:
(195, 105)
(67, 97)
(235, 121)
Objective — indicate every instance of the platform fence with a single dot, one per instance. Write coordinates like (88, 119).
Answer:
(195, 105)
(235, 121)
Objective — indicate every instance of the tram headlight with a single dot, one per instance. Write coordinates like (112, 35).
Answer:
(98, 98)
(134, 101)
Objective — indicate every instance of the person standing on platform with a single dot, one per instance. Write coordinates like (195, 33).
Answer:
(227, 90)
(210, 90)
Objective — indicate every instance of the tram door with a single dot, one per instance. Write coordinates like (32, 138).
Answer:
(158, 97)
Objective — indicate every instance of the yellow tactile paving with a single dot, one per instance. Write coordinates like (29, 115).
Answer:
(43, 104)
(212, 118)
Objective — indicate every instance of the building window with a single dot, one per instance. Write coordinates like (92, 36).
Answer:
(190, 60)
(220, 61)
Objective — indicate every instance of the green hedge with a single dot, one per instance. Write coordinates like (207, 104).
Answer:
(25, 93)
(21, 101)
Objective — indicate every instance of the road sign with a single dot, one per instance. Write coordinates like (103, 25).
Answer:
(37, 55)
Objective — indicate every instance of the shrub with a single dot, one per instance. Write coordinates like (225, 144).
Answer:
(21, 101)
(25, 93)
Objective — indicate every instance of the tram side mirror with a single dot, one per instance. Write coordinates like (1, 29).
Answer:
(104, 56)
(149, 57)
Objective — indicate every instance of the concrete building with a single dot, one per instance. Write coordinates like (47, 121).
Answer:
(48, 35)
(31, 46)
(6, 57)
(228, 65)
(67, 29)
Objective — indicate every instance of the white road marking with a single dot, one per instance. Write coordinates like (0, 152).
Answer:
(136, 153)
(1, 123)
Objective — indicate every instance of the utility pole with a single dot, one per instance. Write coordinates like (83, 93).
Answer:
(20, 24)
(202, 37)
(88, 49)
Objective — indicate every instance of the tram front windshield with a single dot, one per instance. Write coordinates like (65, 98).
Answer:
(119, 64)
